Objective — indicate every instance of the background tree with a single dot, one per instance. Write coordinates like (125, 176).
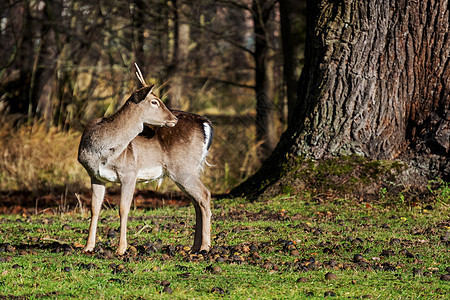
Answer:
(57, 52)
(178, 67)
(71, 61)
(75, 45)
(376, 84)
(293, 21)
(264, 88)
(140, 25)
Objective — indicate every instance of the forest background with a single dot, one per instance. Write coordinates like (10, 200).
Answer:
(63, 63)
(372, 100)
(333, 114)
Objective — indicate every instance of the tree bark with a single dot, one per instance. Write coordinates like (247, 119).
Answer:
(375, 83)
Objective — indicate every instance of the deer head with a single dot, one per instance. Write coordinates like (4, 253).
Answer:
(154, 112)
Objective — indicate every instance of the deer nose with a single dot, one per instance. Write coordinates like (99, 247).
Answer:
(173, 122)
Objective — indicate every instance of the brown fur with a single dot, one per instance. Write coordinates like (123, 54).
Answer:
(169, 136)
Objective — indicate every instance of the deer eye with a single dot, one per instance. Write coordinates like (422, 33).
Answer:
(154, 102)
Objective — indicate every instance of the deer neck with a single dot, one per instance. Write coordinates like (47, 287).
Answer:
(125, 125)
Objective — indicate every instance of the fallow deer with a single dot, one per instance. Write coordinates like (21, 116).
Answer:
(144, 141)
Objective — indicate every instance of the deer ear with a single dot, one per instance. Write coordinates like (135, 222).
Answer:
(140, 94)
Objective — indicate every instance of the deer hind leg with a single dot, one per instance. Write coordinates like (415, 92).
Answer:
(126, 197)
(200, 198)
(98, 193)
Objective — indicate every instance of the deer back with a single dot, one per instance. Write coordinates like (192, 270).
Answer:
(183, 146)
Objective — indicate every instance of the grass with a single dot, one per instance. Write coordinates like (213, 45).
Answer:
(286, 232)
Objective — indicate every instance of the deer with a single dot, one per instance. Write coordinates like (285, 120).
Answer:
(141, 142)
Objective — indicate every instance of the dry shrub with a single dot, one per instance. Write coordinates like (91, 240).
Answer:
(233, 155)
(43, 159)
(37, 158)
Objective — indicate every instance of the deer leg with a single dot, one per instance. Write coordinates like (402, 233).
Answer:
(200, 198)
(126, 197)
(98, 193)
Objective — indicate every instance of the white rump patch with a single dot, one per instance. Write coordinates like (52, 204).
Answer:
(207, 129)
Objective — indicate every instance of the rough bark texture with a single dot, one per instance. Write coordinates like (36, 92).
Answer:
(376, 83)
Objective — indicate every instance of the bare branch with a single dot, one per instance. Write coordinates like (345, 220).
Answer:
(233, 83)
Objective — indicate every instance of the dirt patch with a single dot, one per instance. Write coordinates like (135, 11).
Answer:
(19, 202)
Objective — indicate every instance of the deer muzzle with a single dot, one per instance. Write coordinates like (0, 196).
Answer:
(172, 123)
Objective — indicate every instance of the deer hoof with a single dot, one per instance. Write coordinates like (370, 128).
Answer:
(204, 248)
(121, 251)
(88, 249)
(195, 249)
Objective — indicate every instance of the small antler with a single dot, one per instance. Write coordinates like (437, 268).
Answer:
(139, 75)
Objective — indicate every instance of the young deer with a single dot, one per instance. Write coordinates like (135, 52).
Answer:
(144, 141)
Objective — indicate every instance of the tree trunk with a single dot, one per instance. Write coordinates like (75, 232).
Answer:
(45, 64)
(139, 22)
(292, 15)
(375, 83)
(265, 127)
(17, 57)
(178, 99)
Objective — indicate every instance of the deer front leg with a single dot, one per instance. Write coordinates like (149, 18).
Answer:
(126, 197)
(98, 193)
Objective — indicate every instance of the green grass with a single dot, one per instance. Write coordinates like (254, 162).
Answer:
(332, 231)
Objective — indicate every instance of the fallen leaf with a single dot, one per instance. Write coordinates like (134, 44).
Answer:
(78, 245)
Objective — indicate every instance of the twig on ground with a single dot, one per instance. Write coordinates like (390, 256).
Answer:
(142, 229)
(53, 240)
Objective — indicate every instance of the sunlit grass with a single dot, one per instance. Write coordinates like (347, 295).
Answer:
(353, 228)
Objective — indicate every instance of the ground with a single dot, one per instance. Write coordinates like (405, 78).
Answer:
(285, 246)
